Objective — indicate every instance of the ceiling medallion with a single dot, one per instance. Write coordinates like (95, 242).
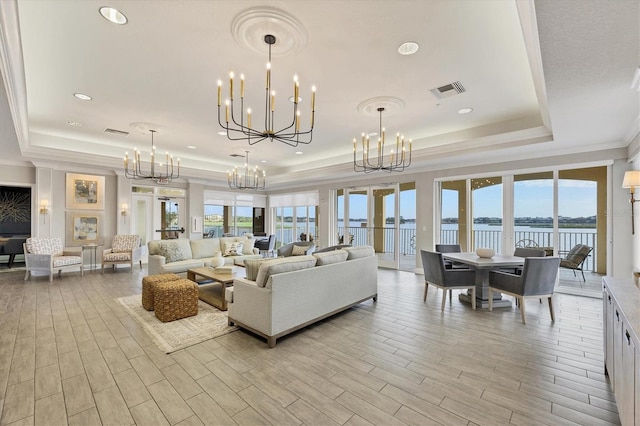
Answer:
(396, 162)
(238, 126)
(249, 27)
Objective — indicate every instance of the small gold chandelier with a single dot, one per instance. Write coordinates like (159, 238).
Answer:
(161, 174)
(397, 161)
(241, 130)
(252, 179)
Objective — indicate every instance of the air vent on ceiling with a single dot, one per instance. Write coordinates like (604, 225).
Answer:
(115, 132)
(448, 90)
(237, 155)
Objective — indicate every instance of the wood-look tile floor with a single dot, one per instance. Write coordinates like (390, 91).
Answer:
(69, 354)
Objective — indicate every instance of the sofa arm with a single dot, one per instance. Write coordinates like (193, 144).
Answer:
(155, 264)
(256, 250)
(136, 254)
(251, 305)
(77, 251)
(37, 261)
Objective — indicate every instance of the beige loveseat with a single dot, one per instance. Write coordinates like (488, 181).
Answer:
(292, 292)
(178, 255)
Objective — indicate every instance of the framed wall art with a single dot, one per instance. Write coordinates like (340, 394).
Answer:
(84, 228)
(85, 192)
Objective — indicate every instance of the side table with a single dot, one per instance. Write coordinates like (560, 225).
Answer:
(92, 254)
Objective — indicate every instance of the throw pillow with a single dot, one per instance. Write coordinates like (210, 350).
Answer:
(233, 249)
(252, 266)
(171, 252)
(330, 257)
(299, 250)
(247, 245)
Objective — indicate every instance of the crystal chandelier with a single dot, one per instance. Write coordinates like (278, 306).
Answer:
(160, 173)
(239, 128)
(251, 179)
(396, 162)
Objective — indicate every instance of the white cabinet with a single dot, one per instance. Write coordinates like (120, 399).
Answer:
(621, 323)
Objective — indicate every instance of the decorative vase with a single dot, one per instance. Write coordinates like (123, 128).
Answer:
(485, 252)
(217, 260)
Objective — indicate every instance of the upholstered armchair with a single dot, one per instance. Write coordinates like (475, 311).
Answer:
(47, 254)
(537, 280)
(126, 249)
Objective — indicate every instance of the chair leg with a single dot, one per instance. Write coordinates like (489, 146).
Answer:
(553, 318)
(51, 276)
(140, 265)
(444, 299)
(102, 268)
(490, 298)
(82, 270)
(426, 287)
(26, 275)
(450, 296)
(522, 309)
(583, 278)
(473, 298)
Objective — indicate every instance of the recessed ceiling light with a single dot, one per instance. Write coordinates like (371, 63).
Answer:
(191, 147)
(113, 15)
(222, 133)
(82, 96)
(74, 123)
(298, 152)
(408, 48)
(263, 161)
(465, 110)
(372, 134)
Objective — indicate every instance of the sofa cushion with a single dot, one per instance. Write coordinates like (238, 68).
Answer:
(251, 267)
(299, 250)
(173, 251)
(247, 245)
(359, 251)
(182, 243)
(233, 249)
(182, 265)
(280, 265)
(205, 247)
(329, 257)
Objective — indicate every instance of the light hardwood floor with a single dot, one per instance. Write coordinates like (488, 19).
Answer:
(69, 354)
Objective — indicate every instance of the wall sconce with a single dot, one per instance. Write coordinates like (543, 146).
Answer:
(124, 210)
(44, 209)
(44, 206)
(631, 180)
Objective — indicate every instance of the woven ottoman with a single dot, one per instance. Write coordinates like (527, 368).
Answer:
(177, 299)
(148, 284)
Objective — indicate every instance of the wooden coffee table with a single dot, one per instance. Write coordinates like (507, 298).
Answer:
(213, 293)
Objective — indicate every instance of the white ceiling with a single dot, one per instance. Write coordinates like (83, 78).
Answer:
(543, 78)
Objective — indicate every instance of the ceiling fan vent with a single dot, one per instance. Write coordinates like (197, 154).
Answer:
(448, 90)
(115, 132)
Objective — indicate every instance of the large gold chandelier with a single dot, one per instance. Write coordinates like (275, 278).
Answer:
(397, 161)
(252, 179)
(160, 173)
(237, 128)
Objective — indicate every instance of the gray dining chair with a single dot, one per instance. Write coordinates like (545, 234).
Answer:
(437, 275)
(537, 280)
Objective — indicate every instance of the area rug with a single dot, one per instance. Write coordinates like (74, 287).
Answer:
(175, 335)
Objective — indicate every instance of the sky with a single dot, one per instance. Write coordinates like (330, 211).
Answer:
(531, 199)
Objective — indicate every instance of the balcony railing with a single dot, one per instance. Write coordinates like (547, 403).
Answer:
(492, 239)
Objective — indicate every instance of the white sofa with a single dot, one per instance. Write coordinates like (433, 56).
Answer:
(178, 255)
(278, 303)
